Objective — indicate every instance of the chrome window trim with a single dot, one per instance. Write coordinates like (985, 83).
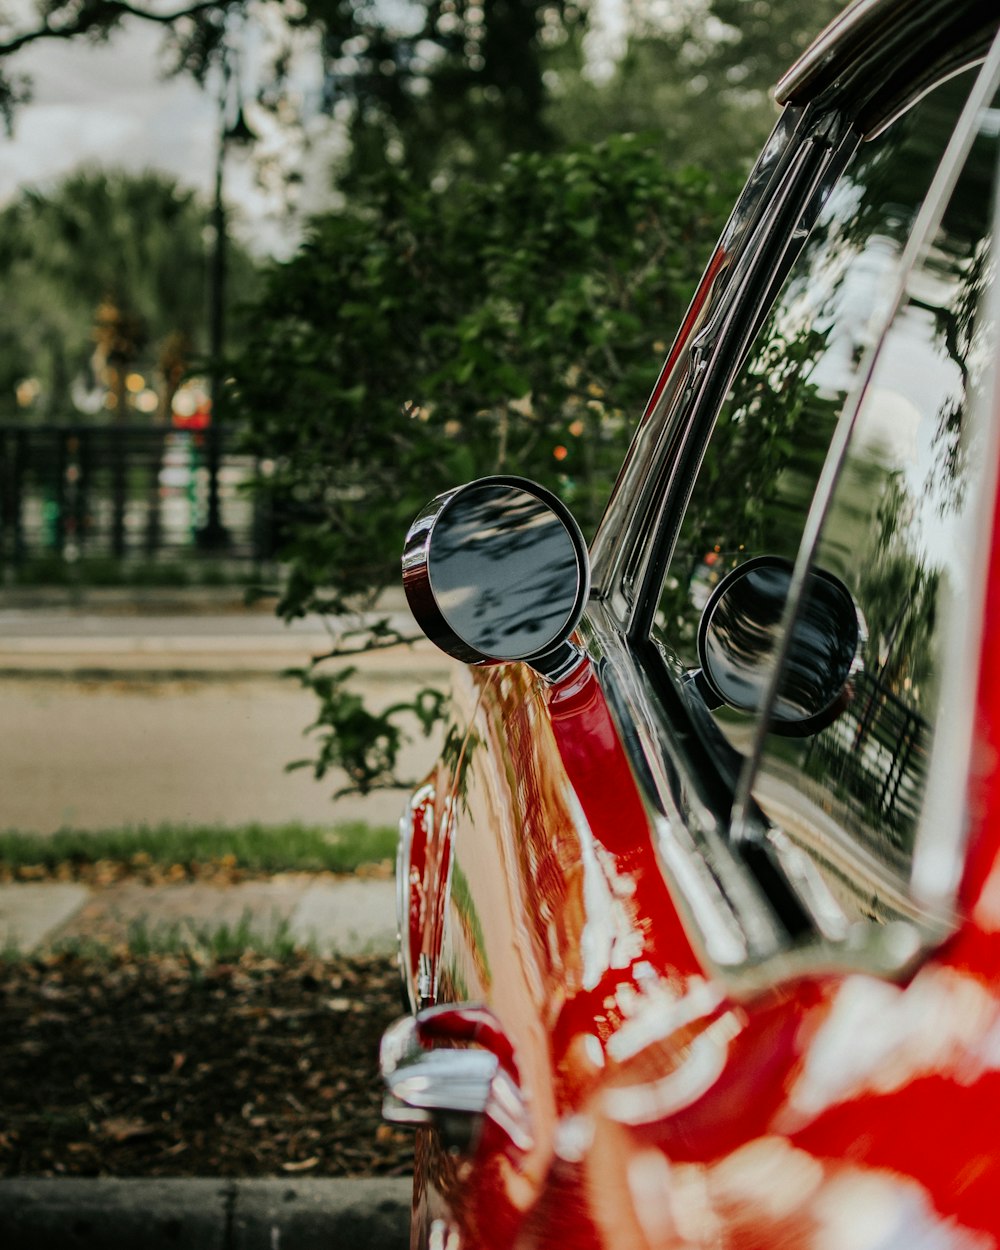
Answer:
(856, 22)
(647, 476)
(854, 60)
(729, 916)
(938, 858)
(942, 842)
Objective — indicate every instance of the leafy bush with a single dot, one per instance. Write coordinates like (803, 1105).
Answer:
(421, 338)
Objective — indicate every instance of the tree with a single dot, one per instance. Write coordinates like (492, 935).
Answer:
(102, 276)
(444, 86)
(699, 78)
(423, 338)
(429, 84)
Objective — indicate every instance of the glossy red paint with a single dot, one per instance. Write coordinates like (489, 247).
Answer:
(583, 964)
(689, 326)
(978, 948)
(413, 866)
(608, 1038)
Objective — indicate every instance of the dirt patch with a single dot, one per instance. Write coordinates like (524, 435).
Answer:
(161, 1067)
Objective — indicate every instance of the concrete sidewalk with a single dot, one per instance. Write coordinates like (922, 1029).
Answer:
(205, 1214)
(321, 912)
(74, 642)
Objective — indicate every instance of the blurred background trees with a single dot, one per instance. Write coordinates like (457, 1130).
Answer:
(105, 277)
(426, 91)
(492, 286)
(425, 337)
(499, 285)
(695, 78)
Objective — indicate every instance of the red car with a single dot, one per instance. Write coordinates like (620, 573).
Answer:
(700, 907)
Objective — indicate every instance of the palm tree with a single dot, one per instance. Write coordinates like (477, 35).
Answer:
(106, 276)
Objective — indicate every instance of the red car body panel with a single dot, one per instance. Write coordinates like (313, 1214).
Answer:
(771, 1115)
(768, 1117)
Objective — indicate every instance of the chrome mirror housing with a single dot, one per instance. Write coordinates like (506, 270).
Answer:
(498, 571)
(738, 638)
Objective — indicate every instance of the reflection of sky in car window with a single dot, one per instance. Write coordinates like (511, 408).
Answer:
(893, 531)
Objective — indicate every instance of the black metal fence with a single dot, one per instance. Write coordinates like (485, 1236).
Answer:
(81, 492)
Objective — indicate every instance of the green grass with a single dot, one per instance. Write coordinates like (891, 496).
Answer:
(210, 943)
(202, 945)
(257, 848)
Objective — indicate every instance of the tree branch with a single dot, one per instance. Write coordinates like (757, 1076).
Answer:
(337, 654)
(105, 15)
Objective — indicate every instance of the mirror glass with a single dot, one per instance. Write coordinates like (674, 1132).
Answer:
(739, 638)
(505, 571)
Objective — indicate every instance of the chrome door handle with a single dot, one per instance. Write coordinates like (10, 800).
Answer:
(468, 1095)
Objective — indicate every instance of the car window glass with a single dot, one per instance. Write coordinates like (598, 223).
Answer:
(760, 468)
(899, 532)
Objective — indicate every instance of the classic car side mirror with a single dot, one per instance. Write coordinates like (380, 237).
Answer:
(738, 636)
(497, 571)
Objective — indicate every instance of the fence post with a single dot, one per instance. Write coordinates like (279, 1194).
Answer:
(154, 461)
(59, 492)
(17, 493)
(8, 445)
(84, 465)
(118, 483)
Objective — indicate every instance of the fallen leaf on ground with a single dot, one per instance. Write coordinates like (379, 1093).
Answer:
(121, 1128)
(303, 1166)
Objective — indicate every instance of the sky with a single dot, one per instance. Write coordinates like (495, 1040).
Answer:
(109, 105)
(105, 104)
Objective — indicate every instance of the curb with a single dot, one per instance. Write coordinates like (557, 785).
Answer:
(205, 1214)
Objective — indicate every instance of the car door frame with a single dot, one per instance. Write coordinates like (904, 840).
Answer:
(741, 905)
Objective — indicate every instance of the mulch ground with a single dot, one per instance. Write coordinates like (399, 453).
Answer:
(160, 1066)
(140, 867)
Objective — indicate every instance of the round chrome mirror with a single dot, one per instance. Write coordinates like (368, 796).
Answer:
(739, 633)
(496, 571)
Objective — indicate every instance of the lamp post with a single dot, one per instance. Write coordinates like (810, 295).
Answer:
(214, 536)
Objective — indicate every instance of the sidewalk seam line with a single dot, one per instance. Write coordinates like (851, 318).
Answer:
(229, 1210)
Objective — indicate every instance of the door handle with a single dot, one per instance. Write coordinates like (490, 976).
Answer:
(452, 1068)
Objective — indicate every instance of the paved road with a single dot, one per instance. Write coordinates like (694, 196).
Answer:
(108, 720)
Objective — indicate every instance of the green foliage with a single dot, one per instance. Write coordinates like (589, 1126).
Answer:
(698, 80)
(422, 338)
(203, 944)
(362, 743)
